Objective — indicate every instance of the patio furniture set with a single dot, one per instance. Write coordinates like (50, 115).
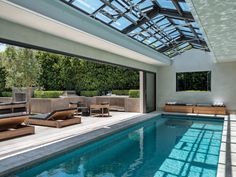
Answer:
(102, 109)
(17, 124)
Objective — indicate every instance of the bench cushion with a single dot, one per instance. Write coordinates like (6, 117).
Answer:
(48, 115)
(40, 116)
(11, 115)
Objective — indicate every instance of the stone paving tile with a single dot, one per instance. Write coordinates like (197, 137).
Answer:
(227, 159)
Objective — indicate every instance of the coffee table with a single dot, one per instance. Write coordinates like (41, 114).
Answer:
(99, 107)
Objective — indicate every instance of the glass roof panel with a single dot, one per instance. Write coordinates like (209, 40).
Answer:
(134, 18)
(183, 45)
(119, 6)
(179, 22)
(164, 24)
(158, 43)
(177, 37)
(121, 23)
(187, 33)
(136, 31)
(166, 4)
(194, 24)
(138, 37)
(198, 31)
(168, 28)
(110, 10)
(136, 1)
(175, 34)
(171, 30)
(145, 4)
(157, 18)
(184, 6)
(198, 45)
(103, 17)
(184, 28)
(87, 6)
(146, 21)
(152, 39)
(158, 36)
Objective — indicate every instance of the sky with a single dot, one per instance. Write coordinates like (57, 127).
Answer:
(2, 47)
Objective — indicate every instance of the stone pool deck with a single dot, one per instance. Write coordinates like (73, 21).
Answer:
(227, 161)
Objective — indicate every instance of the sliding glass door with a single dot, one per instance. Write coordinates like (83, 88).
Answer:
(150, 91)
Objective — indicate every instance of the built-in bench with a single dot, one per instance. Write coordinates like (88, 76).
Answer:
(179, 107)
(209, 109)
(197, 109)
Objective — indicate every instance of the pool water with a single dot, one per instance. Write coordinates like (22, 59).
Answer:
(161, 147)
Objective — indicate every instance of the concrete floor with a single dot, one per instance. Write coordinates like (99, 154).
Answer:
(47, 135)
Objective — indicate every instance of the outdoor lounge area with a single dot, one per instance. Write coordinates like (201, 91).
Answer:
(117, 88)
(46, 135)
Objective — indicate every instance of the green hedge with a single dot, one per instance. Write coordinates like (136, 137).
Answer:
(89, 93)
(120, 92)
(47, 94)
(6, 94)
(134, 93)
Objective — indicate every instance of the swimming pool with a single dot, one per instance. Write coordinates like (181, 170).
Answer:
(164, 146)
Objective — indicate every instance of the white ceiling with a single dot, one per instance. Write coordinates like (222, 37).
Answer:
(218, 20)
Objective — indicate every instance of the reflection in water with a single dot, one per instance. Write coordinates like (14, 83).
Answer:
(159, 148)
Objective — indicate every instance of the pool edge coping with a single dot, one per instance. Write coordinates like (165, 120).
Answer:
(224, 168)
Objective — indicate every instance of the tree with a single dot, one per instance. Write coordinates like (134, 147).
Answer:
(2, 75)
(22, 68)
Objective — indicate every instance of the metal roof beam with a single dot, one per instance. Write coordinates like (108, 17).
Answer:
(183, 38)
(154, 12)
(180, 11)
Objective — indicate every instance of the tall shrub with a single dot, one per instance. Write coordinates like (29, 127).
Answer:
(26, 67)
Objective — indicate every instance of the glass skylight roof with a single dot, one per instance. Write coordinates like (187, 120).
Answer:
(166, 26)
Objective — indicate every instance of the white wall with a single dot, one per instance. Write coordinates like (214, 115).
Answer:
(223, 80)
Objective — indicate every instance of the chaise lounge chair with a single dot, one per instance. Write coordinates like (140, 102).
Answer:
(12, 125)
(58, 118)
(13, 107)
